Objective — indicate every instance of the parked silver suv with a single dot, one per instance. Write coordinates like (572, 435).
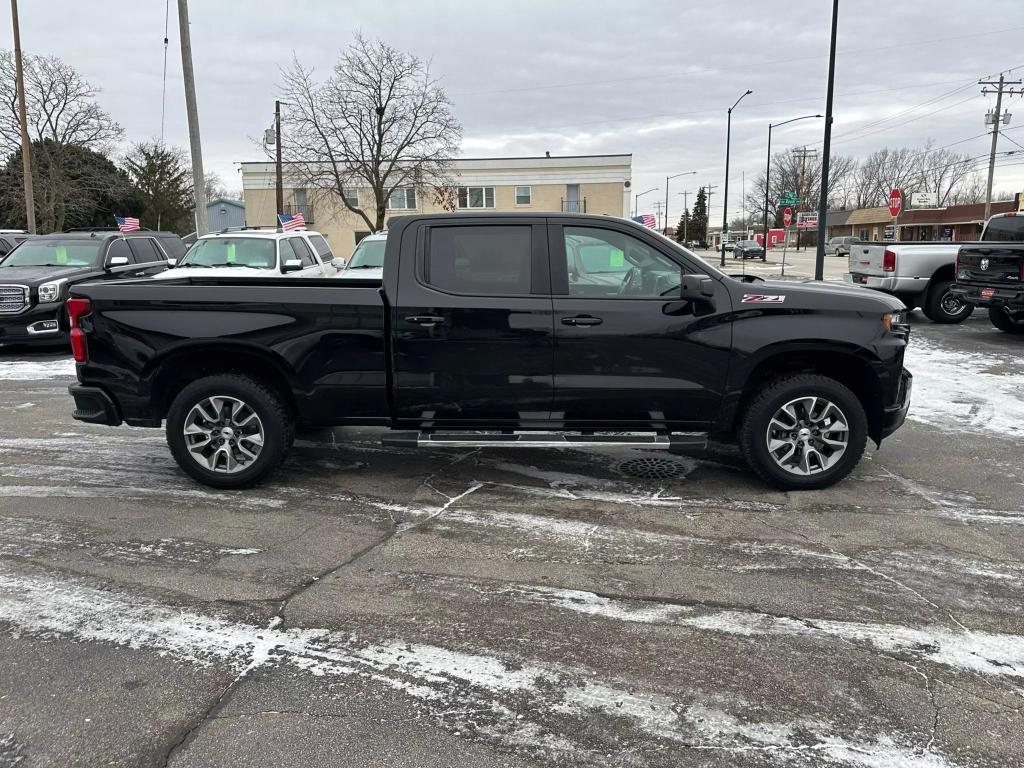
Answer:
(840, 246)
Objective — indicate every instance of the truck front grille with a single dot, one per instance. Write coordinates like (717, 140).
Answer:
(13, 299)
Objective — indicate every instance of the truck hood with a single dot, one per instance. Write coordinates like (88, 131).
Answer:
(178, 273)
(811, 294)
(36, 276)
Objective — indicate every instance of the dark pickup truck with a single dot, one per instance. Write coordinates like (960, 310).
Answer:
(991, 274)
(483, 331)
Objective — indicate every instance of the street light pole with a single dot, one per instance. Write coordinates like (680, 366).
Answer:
(636, 200)
(768, 168)
(684, 173)
(819, 261)
(725, 194)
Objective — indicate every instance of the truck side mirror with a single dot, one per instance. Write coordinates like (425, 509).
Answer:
(171, 262)
(291, 265)
(117, 261)
(696, 287)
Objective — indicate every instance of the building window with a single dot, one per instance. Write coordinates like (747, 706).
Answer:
(351, 196)
(402, 199)
(524, 195)
(476, 197)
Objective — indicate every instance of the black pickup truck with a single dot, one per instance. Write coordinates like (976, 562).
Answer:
(35, 277)
(991, 274)
(484, 331)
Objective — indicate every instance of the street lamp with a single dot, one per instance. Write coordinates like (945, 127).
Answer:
(676, 176)
(768, 168)
(636, 200)
(725, 201)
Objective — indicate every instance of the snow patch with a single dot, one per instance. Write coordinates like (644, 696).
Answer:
(34, 370)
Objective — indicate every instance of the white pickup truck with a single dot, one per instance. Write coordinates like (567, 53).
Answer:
(918, 274)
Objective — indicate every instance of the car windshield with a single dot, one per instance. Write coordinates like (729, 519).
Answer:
(54, 253)
(1005, 229)
(369, 254)
(252, 252)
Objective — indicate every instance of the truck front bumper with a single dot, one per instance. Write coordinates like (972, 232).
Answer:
(37, 326)
(94, 406)
(894, 416)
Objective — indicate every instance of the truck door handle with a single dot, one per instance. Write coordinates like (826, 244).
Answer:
(582, 320)
(427, 321)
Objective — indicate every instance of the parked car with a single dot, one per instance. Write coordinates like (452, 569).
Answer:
(991, 274)
(840, 246)
(263, 252)
(748, 249)
(36, 276)
(10, 238)
(481, 335)
(728, 245)
(919, 274)
(367, 260)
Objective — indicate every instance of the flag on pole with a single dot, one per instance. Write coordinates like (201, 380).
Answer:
(127, 223)
(647, 220)
(292, 221)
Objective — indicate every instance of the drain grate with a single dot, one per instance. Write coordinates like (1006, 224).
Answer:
(652, 468)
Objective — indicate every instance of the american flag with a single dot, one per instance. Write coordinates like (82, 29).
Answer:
(647, 220)
(127, 223)
(292, 221)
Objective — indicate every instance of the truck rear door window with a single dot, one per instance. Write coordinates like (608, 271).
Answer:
(145, 250)
(480, 260)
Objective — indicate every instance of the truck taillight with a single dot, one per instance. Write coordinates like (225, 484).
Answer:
(77, 309)
(889, 261)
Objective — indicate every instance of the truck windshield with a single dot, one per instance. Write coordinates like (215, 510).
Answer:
(1004, 229)
(54, 253)
(368, 254)
(252, 252)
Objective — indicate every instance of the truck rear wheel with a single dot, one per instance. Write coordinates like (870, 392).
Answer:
(228, 431)
(803, 432)
(941, 305)
(1004, 321)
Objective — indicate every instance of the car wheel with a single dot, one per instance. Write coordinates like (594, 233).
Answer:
(228, 431)
(943, 306)
(803, 432)
(1004, 321)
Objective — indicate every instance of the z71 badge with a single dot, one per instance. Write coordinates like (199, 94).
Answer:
(762, 298)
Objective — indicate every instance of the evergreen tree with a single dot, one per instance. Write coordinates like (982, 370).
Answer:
(684, 229)
(163, 177)
(699, 217)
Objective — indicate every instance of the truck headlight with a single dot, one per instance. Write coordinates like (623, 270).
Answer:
(895, 321)
(50, 291)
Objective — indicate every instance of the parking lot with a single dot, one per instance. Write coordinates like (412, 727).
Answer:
(388, 607)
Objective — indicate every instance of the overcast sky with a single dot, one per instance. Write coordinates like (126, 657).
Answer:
(590, 76)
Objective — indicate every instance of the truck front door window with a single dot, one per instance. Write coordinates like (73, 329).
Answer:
(608, 264)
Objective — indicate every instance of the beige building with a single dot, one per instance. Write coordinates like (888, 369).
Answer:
(580, 184)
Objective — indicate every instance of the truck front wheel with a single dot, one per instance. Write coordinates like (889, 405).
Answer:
(1004, 321)
(228, 431)
(803, 432)
(943, 306)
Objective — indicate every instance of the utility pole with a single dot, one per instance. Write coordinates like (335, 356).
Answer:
(686, 219)
(826, 149)
(277, 159)
(657, 212)
(804, 153)
(198, 180)
(995, 119)
(26, 144)
(709, 188)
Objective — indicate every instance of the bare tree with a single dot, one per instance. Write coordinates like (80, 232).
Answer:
(944, 172)
(61, 107)
(380, 121)
(786, 177)
(887, 168)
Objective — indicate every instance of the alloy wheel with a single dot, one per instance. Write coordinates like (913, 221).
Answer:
(223, 434)
(807, 435)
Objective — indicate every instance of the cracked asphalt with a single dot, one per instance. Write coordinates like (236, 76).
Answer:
(373, 606)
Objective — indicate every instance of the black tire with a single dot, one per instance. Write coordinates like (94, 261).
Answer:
(1001, 319)
(754, 424)
(277, 423)
(939, 302)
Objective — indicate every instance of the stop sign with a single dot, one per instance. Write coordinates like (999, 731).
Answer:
(895, 202)
(787, 217)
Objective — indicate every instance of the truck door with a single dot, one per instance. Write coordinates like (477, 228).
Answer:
(473, 334)
(628, 352)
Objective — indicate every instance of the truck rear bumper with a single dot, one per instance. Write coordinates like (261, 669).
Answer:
(893, 285)
(987, 296)
(94, 406)
(894, 416)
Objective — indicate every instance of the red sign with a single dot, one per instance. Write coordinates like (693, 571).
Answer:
(895, 202)
(787, 217)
